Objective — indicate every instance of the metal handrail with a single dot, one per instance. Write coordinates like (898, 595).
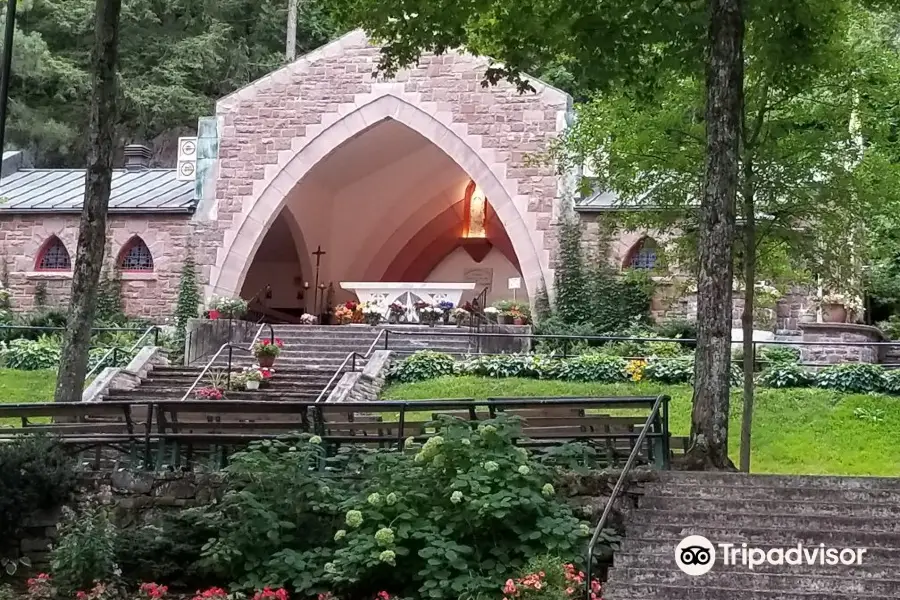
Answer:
(349, 357)
(339, 371)
(259, 331)
(654, 413)
(205, 369)
(113, 350)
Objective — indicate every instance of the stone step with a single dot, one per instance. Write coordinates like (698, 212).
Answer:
(766, 535)
(743, 578)
(782, 494)
(139, 396)
(780, 519)
(714, 478)
(763, 507)
(661, 548)
(870, 568)
(660, 591)
(279, 388)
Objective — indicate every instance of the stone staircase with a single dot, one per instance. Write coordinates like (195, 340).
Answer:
(764, 512)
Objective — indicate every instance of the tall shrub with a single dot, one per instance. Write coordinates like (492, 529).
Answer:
(569, 276)
(188, 303)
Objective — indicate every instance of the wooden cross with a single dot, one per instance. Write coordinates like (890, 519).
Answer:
(319, 253)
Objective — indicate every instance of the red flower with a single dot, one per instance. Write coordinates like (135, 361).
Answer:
(279, 594)
(81, 595)
(154, 590)
(595, 586)
(383, 595)
(213, 592)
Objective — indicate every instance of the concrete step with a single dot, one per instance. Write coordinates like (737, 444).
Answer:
(660, 591)
(766, 535)
(837, 583)
(140, 396)
(661, 548)
(714, 478)
(780, 519)
(764, 507)
(869, 569)
(782, 494)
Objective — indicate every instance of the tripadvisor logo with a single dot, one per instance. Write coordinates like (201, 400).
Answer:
(696, 555)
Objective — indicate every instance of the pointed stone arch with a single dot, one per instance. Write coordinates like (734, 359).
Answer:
(244, 235)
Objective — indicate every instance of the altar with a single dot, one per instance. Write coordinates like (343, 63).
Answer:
(383, 295)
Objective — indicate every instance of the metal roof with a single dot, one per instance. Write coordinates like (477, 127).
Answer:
(62, 190)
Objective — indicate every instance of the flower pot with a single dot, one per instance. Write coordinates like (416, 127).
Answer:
(266, 361)
(505, 320)
(213, 314)
(252, 385)
(518, 321)
(834, 313)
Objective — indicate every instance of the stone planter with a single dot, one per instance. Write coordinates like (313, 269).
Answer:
(518, 321)
(834, 313)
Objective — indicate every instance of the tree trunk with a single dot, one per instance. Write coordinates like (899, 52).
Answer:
(747, 315)
(290, 50)
(92, 230)
(724, 109)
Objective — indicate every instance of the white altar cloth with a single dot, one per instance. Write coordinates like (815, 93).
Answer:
(407, 294)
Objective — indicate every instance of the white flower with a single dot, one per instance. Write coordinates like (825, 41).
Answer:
(456, 497)
(491, 310)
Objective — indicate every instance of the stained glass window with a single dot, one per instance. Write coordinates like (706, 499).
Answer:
(136, 257)
(54, 257)
(643, 256)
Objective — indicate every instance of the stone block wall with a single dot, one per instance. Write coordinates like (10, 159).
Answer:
(366, 385)
(832, 335)
(145, 294)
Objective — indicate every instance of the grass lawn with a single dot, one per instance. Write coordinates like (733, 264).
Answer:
(797, 431)
(25, 386)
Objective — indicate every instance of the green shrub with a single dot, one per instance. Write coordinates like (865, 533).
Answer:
(535, 366)
(679, 369)
(35, 474)
(853, 378)
(627, 349)
(594, 367)
(678, 328)
(664, 349)
(786, 375)
(891, 327)
(890, 383)
(778, 354)
(32, 355)
(425, 364)
(85, 551)
(447, 522)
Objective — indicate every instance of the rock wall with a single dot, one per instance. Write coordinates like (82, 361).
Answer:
(365, 385)
(833, 338)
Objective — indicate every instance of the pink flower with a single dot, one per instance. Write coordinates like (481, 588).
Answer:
(81, 596)
(510, 587)
(383, 595)
(570, 591)
(595, 586)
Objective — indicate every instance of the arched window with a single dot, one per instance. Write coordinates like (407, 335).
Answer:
(135, 256)
(53, 256)
(643, 255)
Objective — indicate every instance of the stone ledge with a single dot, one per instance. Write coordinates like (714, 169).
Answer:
(48, 275)
(139, 276)
(840, 329)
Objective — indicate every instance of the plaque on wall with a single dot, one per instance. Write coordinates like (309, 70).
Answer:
(482, 277)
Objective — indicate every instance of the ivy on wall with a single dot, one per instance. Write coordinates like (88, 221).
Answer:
(591, 292)
(186, 307)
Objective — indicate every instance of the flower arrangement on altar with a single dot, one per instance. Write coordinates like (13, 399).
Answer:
(343, 313)
(308, 319)
(372, 313)
(429, 314)
(396, 312)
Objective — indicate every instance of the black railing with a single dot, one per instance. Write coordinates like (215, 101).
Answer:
(660, 405)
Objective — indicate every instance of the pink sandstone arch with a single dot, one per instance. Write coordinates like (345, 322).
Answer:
(244, 237)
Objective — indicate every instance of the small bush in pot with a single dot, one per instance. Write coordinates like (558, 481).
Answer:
(266, 351)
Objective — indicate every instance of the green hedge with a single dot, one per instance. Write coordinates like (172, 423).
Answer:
(609, 368)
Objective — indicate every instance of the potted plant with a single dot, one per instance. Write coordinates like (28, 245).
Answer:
(208, 393)
(506, 310)
(459, 316)
(492, 314)
(839, 308)
(266, 351)
(266, 374)
(308, 319)
(446, 306)
(343, 313)
(228, 308)
(396, 313)
(429, 315)
(252, 377)
(372, 314)
(237, 382)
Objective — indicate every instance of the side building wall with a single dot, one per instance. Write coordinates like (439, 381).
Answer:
(149, 295)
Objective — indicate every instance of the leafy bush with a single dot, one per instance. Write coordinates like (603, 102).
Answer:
(425, 364)
(85, 551)
(664, 349)
(35, 474)
(442, 520)
(779, 354)
(536, 366)
(679, 369)
(32, 355)
(448, 521)
(786, 375)
(858, 378)
(890, 383)
(627, 349)
(594, 367)
(891, 327)
(678, 328)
